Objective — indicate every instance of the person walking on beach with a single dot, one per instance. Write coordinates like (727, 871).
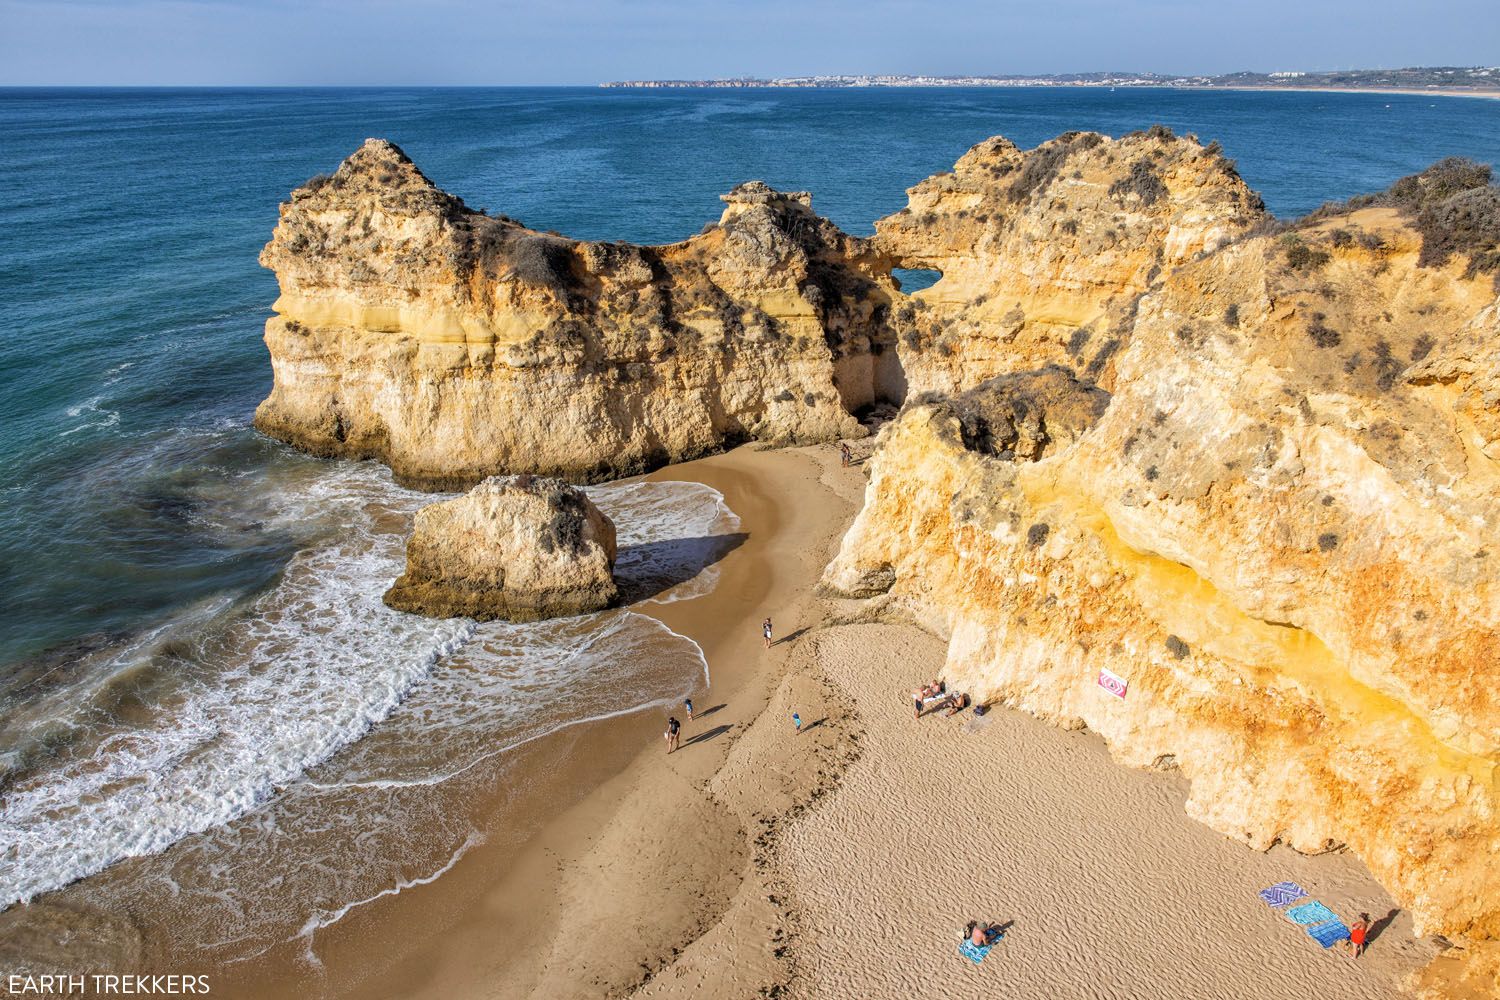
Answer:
(845, 455)
(673, 728)
(765, 630)
(1359, 933)
(797, 721)
(687, 703)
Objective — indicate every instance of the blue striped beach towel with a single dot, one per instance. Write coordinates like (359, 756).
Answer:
(1282, 894)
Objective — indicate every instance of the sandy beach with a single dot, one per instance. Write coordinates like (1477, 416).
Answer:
(842, 860)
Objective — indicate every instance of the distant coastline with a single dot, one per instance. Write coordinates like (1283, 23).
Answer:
(1477, 81)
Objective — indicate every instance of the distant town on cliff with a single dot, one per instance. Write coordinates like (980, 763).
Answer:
(1475, 79)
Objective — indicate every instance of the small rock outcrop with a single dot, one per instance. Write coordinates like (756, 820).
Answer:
(521, 548)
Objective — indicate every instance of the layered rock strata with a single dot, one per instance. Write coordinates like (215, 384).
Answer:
(1280, 532)
(520, 548)
(452, 345)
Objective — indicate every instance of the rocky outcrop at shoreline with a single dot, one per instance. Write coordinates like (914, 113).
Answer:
(452, 345)
(520, 548)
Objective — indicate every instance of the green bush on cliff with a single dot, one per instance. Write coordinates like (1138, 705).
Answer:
(1142, 181)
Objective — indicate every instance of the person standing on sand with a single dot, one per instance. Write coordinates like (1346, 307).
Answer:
(797, 721)
(845, 455)
(1359, 933)
(673, 727)
(687, 703)
(765, 630)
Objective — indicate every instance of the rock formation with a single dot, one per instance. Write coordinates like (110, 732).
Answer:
(452, 345)
(515, 547)
(1045, 253)
(1279, 530)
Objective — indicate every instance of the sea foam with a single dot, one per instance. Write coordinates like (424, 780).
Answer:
(233, 737)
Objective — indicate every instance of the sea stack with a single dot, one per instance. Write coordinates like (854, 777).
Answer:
(454, 345)
(520, 548)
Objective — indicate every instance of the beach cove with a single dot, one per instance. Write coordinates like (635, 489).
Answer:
(843, 860)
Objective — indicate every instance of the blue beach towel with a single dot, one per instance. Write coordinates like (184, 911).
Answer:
(974, 952)
(1282, 893)
(1311, 913)
(1329, 934)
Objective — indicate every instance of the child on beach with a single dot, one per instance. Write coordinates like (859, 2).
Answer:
(797, 721)
(673, 727)
(687, 703)
(765, 630)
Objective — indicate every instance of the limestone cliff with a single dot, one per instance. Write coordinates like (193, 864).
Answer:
(1280, 531)
(520, 548)
(1044, 253)
(452, 345)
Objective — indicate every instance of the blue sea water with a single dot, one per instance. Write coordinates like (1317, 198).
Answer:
(139, 511)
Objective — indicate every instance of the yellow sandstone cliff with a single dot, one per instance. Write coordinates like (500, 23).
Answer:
(1280, 530)
(453, 345)
(1044, 253)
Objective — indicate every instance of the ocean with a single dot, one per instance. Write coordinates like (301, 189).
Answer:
(192, 645)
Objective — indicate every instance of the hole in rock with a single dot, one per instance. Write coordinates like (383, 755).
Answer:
(911, 279)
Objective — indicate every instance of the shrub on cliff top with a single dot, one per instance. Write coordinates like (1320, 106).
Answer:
(1454, 205)
(1438, 183)
(1467, 223)
(1301, 257)
(541, 260)
(1157, 131)
(1142, 181)
(1043, 164)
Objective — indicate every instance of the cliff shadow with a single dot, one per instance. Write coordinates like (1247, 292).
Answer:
(647, 569)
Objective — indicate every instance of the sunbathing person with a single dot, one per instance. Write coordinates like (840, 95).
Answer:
(982, 934)
(956, 703)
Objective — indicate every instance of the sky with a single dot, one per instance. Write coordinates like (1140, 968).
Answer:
(506, 42)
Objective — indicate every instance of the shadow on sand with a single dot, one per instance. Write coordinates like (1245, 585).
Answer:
(648, 569)
(707, 735)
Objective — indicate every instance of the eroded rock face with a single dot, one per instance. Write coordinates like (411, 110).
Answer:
(1280, 530)
(1044, 253)
(452, 345)
(520, 548)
